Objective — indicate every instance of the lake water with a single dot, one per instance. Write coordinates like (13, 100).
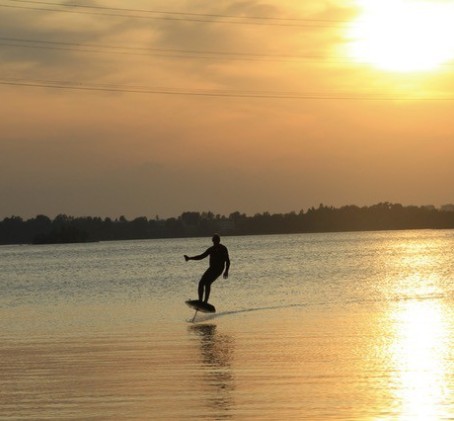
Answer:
(344, 326)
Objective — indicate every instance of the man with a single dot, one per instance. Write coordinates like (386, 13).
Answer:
(219, 262)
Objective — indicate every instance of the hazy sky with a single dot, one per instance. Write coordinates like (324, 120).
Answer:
(223, 106)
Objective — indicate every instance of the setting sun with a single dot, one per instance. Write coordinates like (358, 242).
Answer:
(403, 35)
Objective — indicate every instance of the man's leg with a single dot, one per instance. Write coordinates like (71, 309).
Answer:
(200, 290)
(207, 291)
(208, 283)
(205, 284)
(204, 280)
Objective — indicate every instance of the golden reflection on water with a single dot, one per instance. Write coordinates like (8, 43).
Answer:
(217, 352)
(419, 356)
(420, 349)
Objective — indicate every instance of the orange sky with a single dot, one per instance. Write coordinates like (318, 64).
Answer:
(235, 105)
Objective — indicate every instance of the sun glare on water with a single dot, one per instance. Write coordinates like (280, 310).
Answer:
(420, 357)
(403, 35)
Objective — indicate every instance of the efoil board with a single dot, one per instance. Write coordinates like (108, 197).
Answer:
(201, 306)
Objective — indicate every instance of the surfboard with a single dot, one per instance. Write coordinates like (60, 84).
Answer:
(201, 306)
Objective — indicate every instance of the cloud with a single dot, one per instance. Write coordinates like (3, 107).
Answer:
(83, 45)
(112, 153)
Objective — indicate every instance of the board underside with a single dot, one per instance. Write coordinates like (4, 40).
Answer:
(201, 306)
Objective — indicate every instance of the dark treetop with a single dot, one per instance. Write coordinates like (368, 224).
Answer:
(67, 229)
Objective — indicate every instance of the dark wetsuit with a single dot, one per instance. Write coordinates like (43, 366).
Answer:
(219, 255)
(219, 258)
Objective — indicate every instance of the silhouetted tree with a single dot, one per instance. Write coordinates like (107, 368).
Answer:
(381, 216)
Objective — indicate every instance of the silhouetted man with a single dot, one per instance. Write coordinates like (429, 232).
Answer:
(219, 260)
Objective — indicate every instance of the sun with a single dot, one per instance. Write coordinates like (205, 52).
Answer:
(403, 35)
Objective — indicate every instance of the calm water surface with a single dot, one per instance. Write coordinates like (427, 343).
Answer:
(345, 326)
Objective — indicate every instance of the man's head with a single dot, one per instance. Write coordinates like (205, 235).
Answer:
(216, 239)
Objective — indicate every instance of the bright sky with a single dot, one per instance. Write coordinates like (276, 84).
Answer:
(151, 107)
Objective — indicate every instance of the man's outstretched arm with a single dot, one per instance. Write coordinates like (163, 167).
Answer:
(198, 257)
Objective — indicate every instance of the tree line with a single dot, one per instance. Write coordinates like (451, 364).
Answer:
(67, 229)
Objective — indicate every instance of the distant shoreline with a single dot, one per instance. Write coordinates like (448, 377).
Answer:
(379, 217)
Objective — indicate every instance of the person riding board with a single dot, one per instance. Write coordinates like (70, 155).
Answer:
(219, 262)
